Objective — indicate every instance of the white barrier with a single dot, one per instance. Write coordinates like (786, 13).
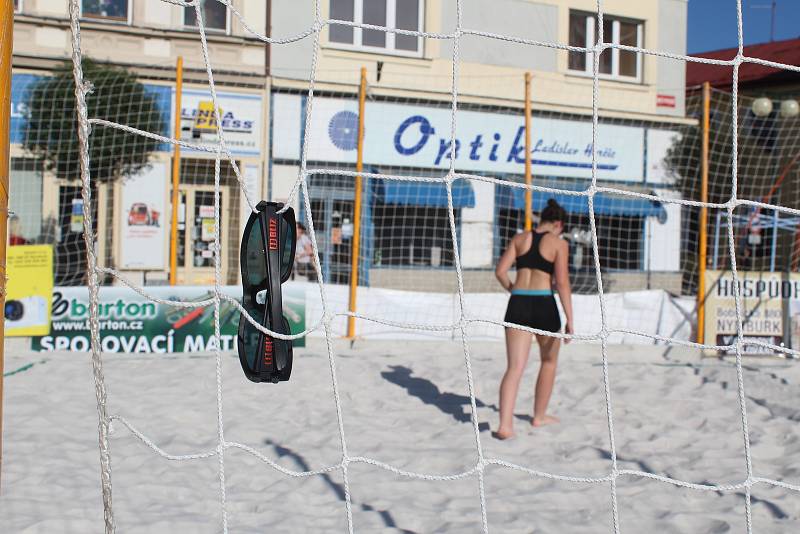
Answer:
(653, 312)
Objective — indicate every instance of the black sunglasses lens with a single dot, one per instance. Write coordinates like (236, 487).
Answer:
(249, 337)
(255, 256)
(285, 356)
(287, 234)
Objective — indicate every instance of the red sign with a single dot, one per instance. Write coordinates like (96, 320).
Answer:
(665, 101)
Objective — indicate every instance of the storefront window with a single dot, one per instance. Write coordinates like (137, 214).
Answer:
(25, 201)
(412, 236)
(215, 15)
(116, 10)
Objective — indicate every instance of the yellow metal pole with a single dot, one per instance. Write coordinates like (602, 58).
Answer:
(701, 271)
(354, 252)
(6, 46)
(528, 178)
(176, 176)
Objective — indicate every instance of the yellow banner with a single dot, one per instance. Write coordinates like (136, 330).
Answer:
(29, 290)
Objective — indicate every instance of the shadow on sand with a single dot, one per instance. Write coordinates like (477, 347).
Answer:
(337, 488)
(452, 404)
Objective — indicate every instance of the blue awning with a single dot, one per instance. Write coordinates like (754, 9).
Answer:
(432, 194)
(604, 204)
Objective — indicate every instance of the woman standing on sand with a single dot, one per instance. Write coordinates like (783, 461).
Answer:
(540, 255)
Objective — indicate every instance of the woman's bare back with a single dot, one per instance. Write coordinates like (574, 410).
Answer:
(534, 278)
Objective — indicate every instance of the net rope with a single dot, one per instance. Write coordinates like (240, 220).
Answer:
(223, 155)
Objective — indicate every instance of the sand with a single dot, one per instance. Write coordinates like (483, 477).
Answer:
(406, 404)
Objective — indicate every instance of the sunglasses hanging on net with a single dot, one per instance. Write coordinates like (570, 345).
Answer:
(267, 257)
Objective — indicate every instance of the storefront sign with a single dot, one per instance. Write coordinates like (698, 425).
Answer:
(30, 289)
(417, 136)
(132, 324)
(143, 219)
(21, 85)
(763, 296)
(240, 114)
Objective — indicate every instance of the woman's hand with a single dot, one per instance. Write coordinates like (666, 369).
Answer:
(569, 330)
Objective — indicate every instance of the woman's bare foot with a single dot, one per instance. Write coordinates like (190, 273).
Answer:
(544, 420)
(503, 434)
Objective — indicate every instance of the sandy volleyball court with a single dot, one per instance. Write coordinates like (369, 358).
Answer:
(405, 404)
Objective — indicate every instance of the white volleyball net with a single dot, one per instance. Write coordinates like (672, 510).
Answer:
(422, 230)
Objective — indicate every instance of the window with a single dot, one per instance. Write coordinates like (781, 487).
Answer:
(400, 14)
(215, 15)
(17, 6)
(25, 200)
(116, 10)
(413, 236)
(614, 63)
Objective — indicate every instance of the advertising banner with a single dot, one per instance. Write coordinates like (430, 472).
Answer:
(794, 312)
(240, 114)
(418, 136)
(143, 219)
(29, 290)
(132, 324)
(763, 298)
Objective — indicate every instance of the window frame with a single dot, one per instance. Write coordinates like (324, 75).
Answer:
(391, 14)
(217, 31)
(111, 20)
(591, 26)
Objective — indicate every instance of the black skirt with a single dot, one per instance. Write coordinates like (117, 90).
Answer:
(534, 311)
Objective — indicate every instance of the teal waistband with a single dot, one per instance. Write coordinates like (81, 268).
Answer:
(532, 292)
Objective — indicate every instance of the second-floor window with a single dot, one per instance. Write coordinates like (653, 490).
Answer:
(215, 15)
(614, 63)
(116, 10)
(400, 14)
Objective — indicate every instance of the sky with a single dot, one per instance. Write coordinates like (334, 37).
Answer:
(712, 23)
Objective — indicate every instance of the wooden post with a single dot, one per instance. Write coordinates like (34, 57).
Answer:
(354, 251)
(176, 176)
(528, 178)
(6, 46)
(701, 269)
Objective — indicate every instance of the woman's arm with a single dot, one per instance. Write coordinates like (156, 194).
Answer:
(562, 284)
(504, 264)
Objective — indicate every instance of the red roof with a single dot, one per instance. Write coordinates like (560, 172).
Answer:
(787, 52)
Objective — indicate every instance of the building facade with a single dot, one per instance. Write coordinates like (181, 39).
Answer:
(133, 212)
(406, 233)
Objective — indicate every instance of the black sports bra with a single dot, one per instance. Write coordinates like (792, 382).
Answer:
(533, 259)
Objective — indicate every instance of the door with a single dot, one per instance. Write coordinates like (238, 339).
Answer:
(333, 222)
(196, 228)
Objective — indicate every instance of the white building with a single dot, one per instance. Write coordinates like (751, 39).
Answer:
(407, 238)
(145, 37)
(408, 126)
